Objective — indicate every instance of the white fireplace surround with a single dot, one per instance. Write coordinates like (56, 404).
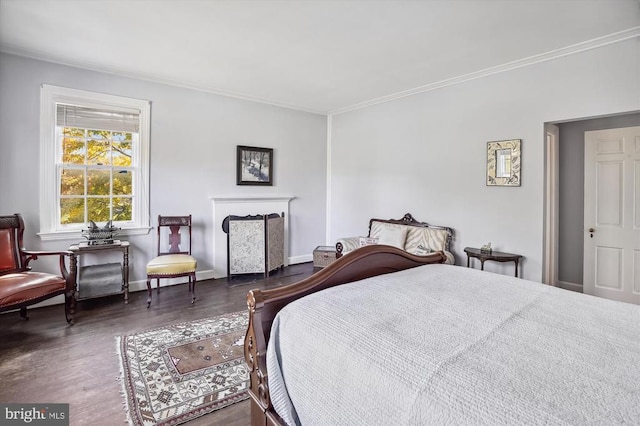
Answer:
(242, 206)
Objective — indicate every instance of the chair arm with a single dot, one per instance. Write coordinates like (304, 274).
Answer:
(33, 254)
(69, 276)
(36, 253)
(345, 245)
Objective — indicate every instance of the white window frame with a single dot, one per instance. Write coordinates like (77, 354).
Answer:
(50, 228)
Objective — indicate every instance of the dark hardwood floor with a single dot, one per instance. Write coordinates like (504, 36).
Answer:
(43, 360)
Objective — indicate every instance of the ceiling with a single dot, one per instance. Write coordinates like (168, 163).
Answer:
(318, 56)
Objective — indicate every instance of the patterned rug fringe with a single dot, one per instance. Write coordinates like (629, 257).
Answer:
(121, 379)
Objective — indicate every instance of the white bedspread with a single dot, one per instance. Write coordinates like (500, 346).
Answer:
(442, 344)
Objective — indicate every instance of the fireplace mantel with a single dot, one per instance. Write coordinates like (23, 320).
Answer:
(252, 199)
(224, 206)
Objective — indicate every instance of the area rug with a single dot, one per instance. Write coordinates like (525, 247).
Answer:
(174, 374)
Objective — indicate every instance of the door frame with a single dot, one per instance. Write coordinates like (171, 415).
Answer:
(551, 204)
(551, 211)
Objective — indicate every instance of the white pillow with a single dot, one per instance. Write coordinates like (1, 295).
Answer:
(366, 241)
(393, 236)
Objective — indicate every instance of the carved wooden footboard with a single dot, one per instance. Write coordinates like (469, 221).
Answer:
(265, 304)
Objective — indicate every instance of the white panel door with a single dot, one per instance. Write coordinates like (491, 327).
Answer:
(612, 214)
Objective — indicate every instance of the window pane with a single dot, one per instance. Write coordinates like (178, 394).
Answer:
(121, 136)
(98, 209)
(122, 153)
(71, 210)
(99, 134)
(98, 182)
(122, 209)
(122, 180)
(98, 152)
(73, 150)
(72, 182)
(73, 132)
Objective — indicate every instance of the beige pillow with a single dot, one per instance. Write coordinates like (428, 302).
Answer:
(393, 236)
(422, 250)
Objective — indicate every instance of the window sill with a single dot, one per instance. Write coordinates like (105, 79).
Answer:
(77, 234)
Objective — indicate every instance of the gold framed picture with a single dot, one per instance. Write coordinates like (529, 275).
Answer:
(504, 161)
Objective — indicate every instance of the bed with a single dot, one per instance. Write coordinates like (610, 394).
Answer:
(382, 336)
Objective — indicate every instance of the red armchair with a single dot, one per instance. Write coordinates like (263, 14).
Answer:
(19, 286)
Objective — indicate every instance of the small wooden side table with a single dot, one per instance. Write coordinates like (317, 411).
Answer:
(496, 256)
(123, 246)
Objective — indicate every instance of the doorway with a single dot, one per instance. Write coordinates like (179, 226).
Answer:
(566, 237)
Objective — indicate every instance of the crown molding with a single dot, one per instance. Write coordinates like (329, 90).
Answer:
(520, 63)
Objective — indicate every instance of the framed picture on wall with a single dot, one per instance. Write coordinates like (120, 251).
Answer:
(254, 166)
(504, 162)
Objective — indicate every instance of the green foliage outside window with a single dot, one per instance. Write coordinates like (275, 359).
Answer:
(96, 176)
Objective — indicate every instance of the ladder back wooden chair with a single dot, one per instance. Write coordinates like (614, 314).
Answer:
(19, 286)
(172, 261)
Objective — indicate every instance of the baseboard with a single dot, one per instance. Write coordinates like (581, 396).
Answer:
(569, 286)
(291, 261)
(166, 282)
(301, 259)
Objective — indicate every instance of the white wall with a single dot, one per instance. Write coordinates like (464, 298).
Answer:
(193, 154)
(426, 154)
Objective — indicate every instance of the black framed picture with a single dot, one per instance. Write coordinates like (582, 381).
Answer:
(254, 166)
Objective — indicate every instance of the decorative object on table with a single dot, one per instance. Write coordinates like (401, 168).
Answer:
(174, 374)
(504, 163)
(96, 235)
(324, 256)
(254, 166)
(486, 248)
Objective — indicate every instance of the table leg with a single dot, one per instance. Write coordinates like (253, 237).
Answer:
(516, 262)
(125, 267)
(468, 258)
(481, 264)
(73, 272)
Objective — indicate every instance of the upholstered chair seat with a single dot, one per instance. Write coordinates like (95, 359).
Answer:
(171, 264)
(22, 287)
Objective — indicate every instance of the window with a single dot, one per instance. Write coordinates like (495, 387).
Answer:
(94, 162)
